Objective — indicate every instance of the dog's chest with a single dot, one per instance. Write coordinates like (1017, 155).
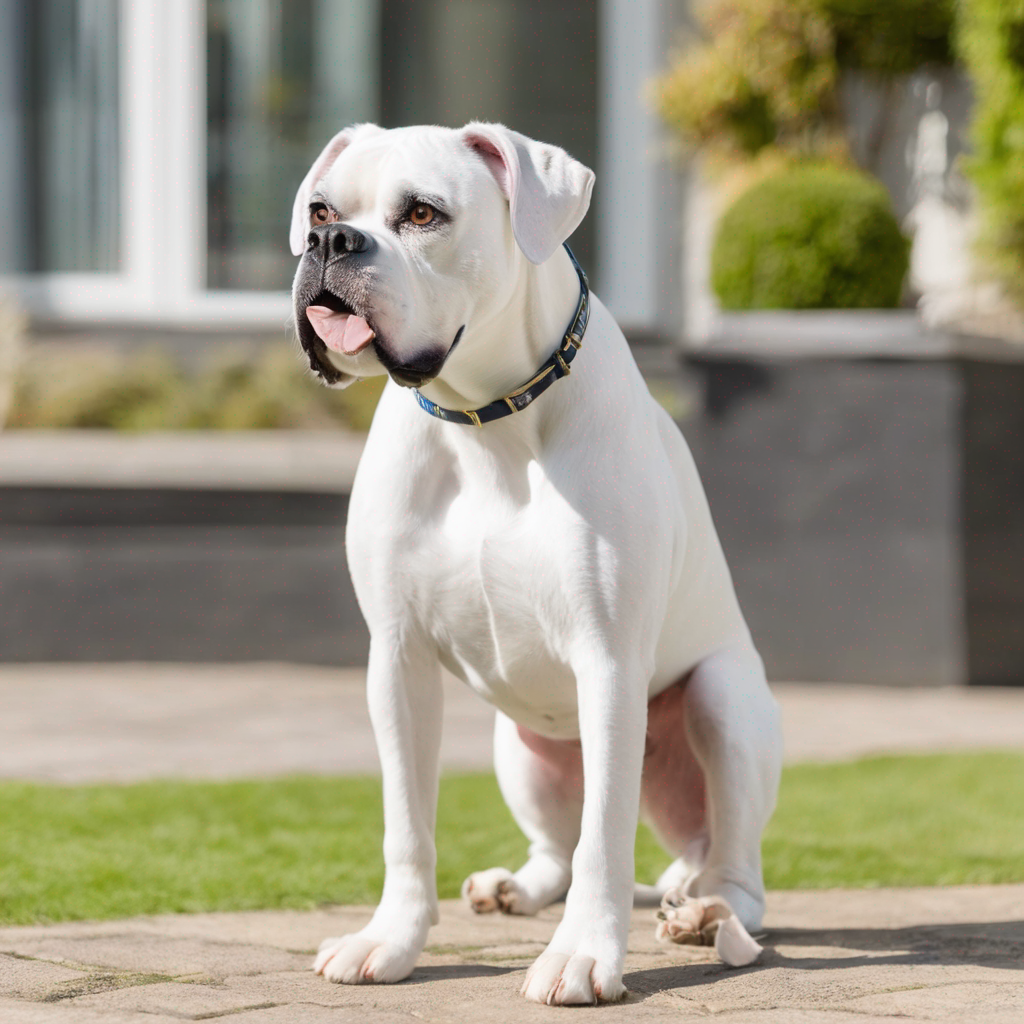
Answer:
(498, 595)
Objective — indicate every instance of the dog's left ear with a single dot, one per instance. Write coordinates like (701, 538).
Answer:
(548, 192)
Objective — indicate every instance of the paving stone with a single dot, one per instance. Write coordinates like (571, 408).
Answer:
(31, 979)
(946, 1001)
(307, 1014)
(14, 1011)
(879, 909)
(175, 998)
(140, 952)
(796, 1016)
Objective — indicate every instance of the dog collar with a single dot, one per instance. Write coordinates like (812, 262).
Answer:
(557, 366)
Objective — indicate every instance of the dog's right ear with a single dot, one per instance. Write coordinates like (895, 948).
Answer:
(321, 165)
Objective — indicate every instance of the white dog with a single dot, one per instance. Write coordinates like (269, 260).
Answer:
(553, 550)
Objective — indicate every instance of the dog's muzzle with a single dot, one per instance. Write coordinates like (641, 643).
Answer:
(419, 371)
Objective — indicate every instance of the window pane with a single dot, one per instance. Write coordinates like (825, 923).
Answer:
(282, 77)
(530, 64)
(59, 135)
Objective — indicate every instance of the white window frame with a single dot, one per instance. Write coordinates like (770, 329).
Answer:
(639, 222)
(162, 280)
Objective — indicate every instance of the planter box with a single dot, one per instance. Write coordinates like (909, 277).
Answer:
(867, 481)
(177, 548)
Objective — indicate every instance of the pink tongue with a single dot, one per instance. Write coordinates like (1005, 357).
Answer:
(342, 332)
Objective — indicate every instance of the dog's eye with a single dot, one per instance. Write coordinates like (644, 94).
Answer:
(319, 214)
(421, 214)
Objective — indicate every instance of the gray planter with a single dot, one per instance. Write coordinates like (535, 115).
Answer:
(177, 548)
(867, 480)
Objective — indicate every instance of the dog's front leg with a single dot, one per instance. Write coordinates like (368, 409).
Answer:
(584, 960)
(405, 698)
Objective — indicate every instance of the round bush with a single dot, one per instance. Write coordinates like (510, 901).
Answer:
(810, 237)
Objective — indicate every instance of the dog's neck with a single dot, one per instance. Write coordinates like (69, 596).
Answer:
(503, 349)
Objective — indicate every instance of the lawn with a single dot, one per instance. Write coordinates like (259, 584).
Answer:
(111, 851)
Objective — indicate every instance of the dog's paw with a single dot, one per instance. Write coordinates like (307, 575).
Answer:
(558, 979)
(358, 959)
(706, 921)
(496, 889)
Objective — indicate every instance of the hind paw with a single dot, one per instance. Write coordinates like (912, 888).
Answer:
(705, 921)
(496, 889)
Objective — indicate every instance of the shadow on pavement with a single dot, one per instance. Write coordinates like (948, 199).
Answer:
(447, 972)
(998, 944)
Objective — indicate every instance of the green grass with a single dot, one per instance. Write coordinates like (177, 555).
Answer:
(110, 851)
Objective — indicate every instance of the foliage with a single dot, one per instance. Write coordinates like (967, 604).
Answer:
(12, 331)
(766, 72)
(891, 37)
(810, 237)
(235, 389)
(991, 41)
(110, 851)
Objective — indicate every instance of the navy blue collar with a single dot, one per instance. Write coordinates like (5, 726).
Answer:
(557, 366)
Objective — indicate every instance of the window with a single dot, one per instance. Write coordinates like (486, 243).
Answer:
(150, 149)
(529, 64)
(282, 76)
(59, 176)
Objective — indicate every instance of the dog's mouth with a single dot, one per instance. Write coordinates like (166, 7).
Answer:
(328, 322)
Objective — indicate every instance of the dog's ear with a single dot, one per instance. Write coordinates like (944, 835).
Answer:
(548, 192)
(321, 165)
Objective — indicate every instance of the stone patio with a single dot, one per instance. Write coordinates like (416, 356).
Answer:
(953, 954)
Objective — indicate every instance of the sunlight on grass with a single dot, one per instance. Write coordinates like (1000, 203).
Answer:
(112, 851)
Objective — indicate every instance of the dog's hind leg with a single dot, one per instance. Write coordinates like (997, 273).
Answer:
(732, 726)
(672, 794)
(542, 783)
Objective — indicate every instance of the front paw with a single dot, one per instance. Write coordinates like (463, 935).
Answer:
(496, 889)
(561, 979)
(361, 958)
(706, 921)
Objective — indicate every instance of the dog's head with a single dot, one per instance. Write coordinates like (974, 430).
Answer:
(409, 236)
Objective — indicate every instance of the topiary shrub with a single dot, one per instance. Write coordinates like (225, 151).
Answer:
(813, 236)
(991, 41)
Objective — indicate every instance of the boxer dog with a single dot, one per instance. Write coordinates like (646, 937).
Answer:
(543, 535)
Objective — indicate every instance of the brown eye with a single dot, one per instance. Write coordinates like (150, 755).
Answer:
(319, 215)
(421, 214)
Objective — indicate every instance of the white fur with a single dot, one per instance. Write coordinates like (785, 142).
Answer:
(561, 561)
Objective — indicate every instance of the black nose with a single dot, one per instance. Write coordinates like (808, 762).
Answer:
(329, 240)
